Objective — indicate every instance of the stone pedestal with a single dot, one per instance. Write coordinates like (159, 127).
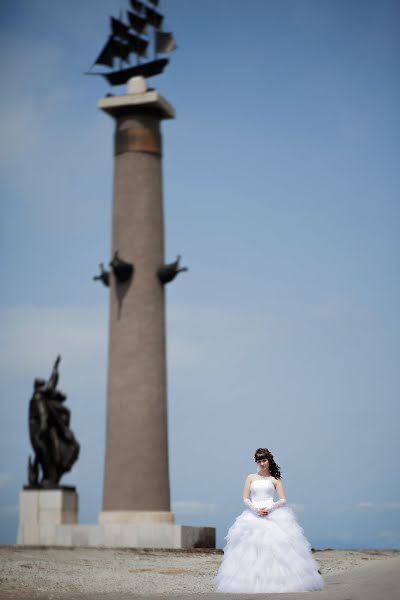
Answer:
(41, 510)
(50, 518)
(129, 536)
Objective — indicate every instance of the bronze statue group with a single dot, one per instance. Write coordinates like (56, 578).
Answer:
(55, 446)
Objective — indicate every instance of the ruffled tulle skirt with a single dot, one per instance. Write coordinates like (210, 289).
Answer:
(267, 554)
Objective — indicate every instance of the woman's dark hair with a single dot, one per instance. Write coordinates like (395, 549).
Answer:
(273, 467)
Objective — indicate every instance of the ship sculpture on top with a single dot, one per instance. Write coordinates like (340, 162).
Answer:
(130, 35)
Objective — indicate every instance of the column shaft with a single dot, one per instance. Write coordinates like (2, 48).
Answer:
(136, 460)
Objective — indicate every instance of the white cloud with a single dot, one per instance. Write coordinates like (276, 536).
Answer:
(365, 505)
(297, 507)
(389, 534)
(389, 505)
(192, 507)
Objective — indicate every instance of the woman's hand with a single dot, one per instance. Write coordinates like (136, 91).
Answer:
(263, 512)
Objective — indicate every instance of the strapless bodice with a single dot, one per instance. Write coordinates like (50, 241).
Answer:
(262, 492)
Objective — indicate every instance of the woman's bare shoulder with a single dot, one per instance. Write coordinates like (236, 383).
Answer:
(251, 476)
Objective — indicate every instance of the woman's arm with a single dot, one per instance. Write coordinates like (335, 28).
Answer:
(246, 488)
(246, 496)
(281, 495)
(279, 490)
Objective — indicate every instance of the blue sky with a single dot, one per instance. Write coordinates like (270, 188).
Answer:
(281, 179)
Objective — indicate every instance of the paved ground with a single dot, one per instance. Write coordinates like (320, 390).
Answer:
(103, 574)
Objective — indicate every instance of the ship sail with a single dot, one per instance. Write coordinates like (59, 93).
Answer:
(139, 24)
(106, 56)
(154, 18)
(118, 28)
(137, 44)
(137, 5)
(112, 49)
(164, 42)
(120, 50)
(129, 35)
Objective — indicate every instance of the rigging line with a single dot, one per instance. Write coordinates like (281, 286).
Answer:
(156, 8)
(120, 58)
(159, 9)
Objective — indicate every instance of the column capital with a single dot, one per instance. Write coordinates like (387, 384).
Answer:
(138, 98)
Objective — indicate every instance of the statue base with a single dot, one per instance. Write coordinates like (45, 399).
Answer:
(162, 536)
(50, 518)
(41, 510)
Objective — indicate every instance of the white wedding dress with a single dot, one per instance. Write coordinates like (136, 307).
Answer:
(269, 553)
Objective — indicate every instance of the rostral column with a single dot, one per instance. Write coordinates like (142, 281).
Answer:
(136, 477)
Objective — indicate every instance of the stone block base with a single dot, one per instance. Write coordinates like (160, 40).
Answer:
(126, 536)
(157, 535)
(42, 510)
(50, 518)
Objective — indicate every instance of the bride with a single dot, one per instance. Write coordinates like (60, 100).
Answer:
(266, 549)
